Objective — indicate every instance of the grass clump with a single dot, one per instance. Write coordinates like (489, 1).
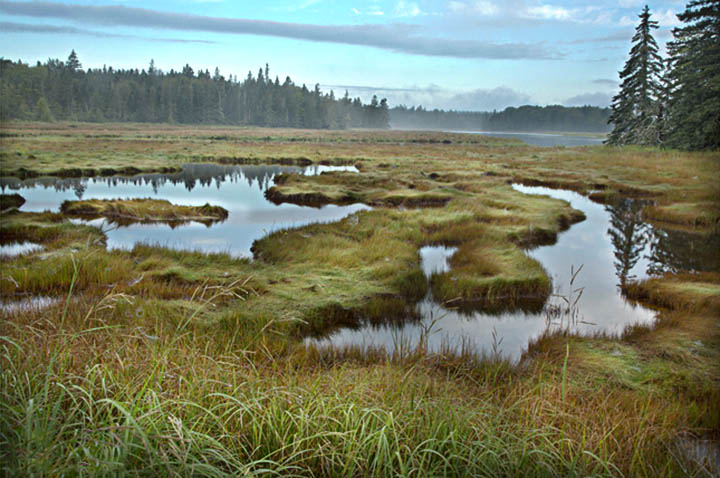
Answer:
(127, 211)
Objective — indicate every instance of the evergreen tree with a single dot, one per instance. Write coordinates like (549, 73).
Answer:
(694, 109)
(73, 64)
(42, 111)
(635, 110)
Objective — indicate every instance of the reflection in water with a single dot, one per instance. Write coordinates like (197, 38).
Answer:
(674, 251)
(602, 244)
(239, 189)
(14, 249)
(33, 303)
(611, 247)
(192, 176)
(629, 236)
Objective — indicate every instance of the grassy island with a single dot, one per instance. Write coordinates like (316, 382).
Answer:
(142, 210)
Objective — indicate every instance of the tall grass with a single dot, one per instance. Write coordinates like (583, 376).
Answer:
(86, 389)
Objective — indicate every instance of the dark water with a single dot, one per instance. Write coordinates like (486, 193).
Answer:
(544, 139)
(612, 245)
(239, 189)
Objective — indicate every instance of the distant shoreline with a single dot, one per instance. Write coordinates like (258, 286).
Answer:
(587, 134)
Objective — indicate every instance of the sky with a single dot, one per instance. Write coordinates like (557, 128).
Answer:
(471, 55)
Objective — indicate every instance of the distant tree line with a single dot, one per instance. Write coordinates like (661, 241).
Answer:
(57, 90)
(524, 118)
(673, 102)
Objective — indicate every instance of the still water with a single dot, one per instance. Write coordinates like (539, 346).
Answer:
(239, 189)
(612, 245)
(544, 139)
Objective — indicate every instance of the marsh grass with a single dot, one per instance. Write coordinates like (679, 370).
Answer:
(162, 363)
(105, 397)
(128, 211)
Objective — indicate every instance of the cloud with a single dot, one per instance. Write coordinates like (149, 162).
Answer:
(487, 99)
(406, 9)
(524, 12)
(666, 18)
(11, 27)
(618, 36)
(287, 8)
(592, 99)
(479, 7)
(605, 82)
(397, 37)
(549, 12)
(631, 3)
(433, 96)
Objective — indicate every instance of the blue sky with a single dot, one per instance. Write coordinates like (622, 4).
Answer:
(458, 54)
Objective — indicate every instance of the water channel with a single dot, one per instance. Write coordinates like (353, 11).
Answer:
(613, 245)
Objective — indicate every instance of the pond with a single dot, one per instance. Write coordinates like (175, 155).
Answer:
(239, 189)
(545, 139)
(612, 246)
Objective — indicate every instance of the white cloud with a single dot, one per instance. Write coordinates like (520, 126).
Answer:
(375, 10)
(626, 21)
(288, 8)
(549, 12)
(407, 9)
(433, 96)
(478, 7)
(631, 3)
(590, 99)
(454, 6)
(666, 18)
(487, 99)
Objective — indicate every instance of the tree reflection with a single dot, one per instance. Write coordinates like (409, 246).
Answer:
(674, 251)
(192, 176)
(629, 236)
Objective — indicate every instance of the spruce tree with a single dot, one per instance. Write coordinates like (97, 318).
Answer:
(694, 109)
(635, 109)
(73, 64)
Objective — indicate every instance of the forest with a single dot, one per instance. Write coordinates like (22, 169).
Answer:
(671, 101)
(524, 118)
(62, 90)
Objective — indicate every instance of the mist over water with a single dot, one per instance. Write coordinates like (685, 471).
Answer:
(544, 139)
